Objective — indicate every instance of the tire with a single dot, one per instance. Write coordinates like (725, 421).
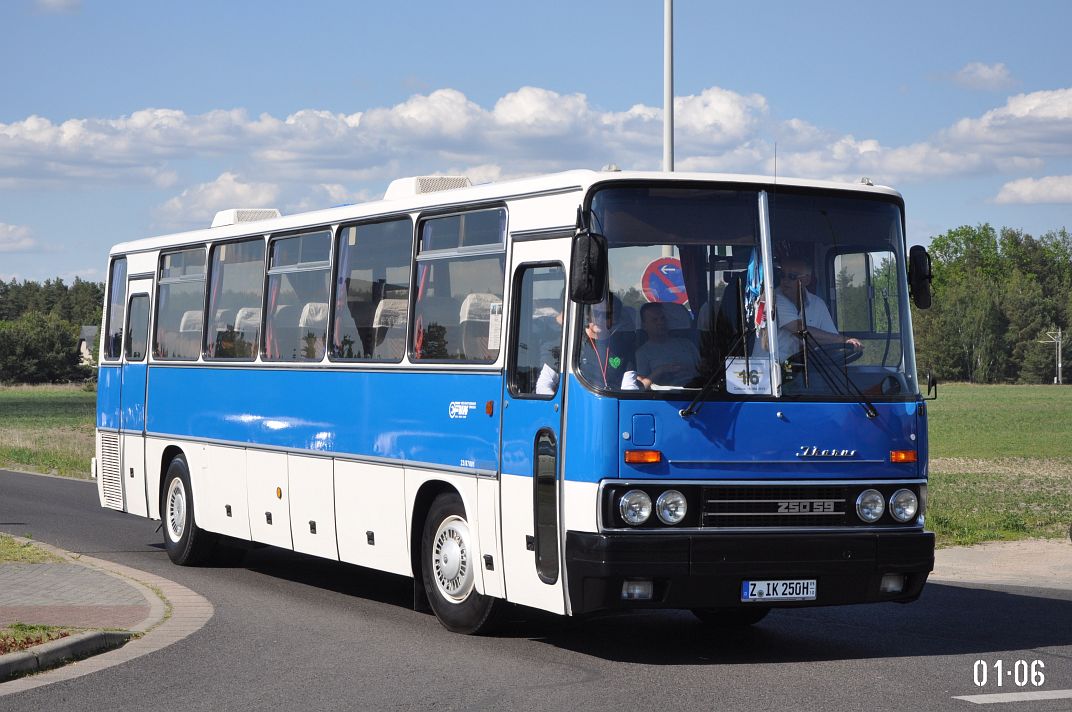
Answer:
(730, 618)
(448, 569)
(186, 543)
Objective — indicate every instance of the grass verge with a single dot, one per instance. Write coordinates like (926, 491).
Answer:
(15, 552)
(47, 429)
(19, 636)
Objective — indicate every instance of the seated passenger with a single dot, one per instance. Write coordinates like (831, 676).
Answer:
(796, 275)
(664, 360)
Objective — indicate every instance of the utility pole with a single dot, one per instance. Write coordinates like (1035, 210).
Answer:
(1054, 337)
(668, 85)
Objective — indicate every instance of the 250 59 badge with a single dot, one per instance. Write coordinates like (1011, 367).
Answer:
(1020, 672)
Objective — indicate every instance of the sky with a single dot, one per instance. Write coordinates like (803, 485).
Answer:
(127, 119)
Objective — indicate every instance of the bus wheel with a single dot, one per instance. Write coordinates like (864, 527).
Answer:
(730, 617)
(186, 543)
(448, 568)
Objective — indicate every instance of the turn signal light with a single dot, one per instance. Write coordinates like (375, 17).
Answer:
(903, 456)
(643, 457)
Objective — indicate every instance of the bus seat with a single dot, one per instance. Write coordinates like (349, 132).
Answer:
(247, 326)
(389, 323)
(679, 321)
(476, 326)
(438, 316)
(312, 329)
(189, 344)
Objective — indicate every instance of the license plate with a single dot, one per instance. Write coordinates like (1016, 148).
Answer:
(794, 590)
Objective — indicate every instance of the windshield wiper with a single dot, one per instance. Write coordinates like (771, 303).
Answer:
(824, 362)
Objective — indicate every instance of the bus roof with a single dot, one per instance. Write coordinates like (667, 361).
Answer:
(568, 181)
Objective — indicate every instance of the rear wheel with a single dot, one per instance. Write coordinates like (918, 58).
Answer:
(186, 543)
(448, 568)
(730, 617)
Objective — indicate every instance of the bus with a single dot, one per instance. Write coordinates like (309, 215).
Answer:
(594, 390)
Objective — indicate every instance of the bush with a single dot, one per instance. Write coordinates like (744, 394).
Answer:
(39, 348)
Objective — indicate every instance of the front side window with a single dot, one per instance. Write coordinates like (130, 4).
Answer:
(538, 312)
(117, 294)
(686, 298)
(297, 299)
(138, 328)
(372, 291)
(457, 315)
(236, 284)
(180, 305)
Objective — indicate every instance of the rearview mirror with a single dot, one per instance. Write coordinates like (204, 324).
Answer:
(919, 276)
(588, 272)
(932, 387)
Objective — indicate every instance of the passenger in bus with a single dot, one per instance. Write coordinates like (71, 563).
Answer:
(664, 360)
(796, 276)
(607, 352)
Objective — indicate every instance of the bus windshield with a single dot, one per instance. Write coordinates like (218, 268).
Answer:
(698, 301)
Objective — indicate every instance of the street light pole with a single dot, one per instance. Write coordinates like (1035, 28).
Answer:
(1055, 337)
(668, 85)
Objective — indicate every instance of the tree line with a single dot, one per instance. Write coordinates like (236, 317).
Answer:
(996, 294)
(39, 329)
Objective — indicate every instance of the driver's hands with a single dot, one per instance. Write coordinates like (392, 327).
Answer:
(855, 344)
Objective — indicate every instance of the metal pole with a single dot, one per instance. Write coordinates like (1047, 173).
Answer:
(668, 85)
(1059, 381)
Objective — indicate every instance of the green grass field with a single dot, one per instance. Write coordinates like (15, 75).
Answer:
(1001, 463)
(1001, 456)
(47, 429)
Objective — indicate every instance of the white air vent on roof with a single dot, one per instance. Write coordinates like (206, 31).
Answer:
(406, 187)
(239, 215)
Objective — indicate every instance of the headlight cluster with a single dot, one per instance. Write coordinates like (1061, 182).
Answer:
(635, 507)
(903, 505)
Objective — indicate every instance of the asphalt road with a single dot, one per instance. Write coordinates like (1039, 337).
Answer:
(296, 633)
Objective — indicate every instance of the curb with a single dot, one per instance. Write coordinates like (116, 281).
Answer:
(56, 652)
(175, 612)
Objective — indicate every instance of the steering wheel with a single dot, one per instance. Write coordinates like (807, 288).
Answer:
(840, 354)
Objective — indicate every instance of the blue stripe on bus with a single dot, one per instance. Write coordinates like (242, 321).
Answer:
(436, 418)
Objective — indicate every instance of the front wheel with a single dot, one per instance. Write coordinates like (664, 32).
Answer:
(186, 543)
(728, 618)
(448, 568)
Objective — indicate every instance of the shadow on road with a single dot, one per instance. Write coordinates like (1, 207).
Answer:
(946, 620)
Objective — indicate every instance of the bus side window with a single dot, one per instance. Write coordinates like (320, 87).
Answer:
(537, 355)
(372, 291)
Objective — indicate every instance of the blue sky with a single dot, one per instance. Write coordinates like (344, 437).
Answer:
(120, 120)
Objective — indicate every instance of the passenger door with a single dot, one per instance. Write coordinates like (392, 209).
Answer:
(530, 485)
(132, 395)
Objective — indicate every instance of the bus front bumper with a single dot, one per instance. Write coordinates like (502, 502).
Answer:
(706, 570)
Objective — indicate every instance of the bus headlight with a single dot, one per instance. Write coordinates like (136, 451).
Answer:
(870, 505)
(903, 505)
(671, 507)
(635, 507)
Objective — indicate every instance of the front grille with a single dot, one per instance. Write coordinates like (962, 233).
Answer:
(734, 506)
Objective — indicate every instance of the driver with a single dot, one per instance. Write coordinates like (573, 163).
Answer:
(796, 276)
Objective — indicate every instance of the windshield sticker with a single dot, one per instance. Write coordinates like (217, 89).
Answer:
(748, 376)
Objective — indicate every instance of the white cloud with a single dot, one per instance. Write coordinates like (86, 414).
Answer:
(990, 77)
(16, 238)
(314, 158)
(1035, 124)
(197, 205)
(1031, 191)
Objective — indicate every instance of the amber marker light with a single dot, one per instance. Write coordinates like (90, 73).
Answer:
(643, 457)
(279, 493)
(903, 456)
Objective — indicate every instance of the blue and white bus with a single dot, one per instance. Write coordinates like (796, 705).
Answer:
(576, 392)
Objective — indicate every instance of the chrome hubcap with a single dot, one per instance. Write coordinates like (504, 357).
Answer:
(175, 516)
(451, 565)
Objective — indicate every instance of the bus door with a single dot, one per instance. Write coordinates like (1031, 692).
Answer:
(132, 395)
(530, 485)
